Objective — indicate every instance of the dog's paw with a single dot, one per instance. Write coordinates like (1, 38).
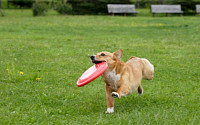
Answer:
(115, 95)
(110, 110)
(141, 93)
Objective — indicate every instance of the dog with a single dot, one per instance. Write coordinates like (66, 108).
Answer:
(122, 79)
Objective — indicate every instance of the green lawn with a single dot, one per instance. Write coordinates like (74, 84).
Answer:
(56, 49)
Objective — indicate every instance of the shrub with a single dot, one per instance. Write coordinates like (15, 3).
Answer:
(64, 8)
(93, 6)
(39, 9)
(22, 3)
(188, 6)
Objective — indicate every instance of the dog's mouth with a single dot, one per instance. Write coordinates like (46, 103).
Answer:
(96, 62)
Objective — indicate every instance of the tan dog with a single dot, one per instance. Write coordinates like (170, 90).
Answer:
(122, 78)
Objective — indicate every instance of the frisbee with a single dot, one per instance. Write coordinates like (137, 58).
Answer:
(92, 73)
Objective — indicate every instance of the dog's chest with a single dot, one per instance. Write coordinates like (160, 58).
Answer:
(111, 78)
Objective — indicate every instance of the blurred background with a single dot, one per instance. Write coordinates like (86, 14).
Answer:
(92, 7)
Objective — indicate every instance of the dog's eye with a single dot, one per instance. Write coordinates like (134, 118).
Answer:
(102, 54)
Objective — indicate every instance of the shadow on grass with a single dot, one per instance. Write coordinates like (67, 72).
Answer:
(146, 102)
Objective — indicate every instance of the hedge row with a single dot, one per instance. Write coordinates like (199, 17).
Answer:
(93, 6)
(100, 6)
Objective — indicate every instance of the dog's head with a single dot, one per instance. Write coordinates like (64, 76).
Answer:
(107, 57)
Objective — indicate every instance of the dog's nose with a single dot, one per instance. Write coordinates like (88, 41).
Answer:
(92, 57)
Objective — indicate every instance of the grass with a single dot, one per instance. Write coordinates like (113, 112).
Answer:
(56, 49)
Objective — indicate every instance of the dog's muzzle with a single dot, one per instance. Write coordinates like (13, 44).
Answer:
(93, 59)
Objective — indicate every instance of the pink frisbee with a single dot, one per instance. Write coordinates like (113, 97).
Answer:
(92, 73)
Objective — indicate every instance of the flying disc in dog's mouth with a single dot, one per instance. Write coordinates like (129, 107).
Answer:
(92, 73)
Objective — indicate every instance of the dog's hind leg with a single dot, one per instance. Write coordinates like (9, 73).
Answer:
(140, 90)
(148, 70)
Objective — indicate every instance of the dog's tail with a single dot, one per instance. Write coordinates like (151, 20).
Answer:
(148, 69)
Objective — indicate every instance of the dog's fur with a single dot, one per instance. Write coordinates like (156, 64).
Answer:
(122, 78)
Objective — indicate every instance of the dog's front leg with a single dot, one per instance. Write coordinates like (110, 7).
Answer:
(124, 90)
(110, 100)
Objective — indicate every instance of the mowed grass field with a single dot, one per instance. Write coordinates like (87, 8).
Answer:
(41, 59)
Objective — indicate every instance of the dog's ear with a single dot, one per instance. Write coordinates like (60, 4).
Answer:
(118, 53)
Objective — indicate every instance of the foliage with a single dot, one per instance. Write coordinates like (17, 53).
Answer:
(146, 3)
(63, 8)
(93, 6)
(39, 9)
(188, 6)
(22, 3)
